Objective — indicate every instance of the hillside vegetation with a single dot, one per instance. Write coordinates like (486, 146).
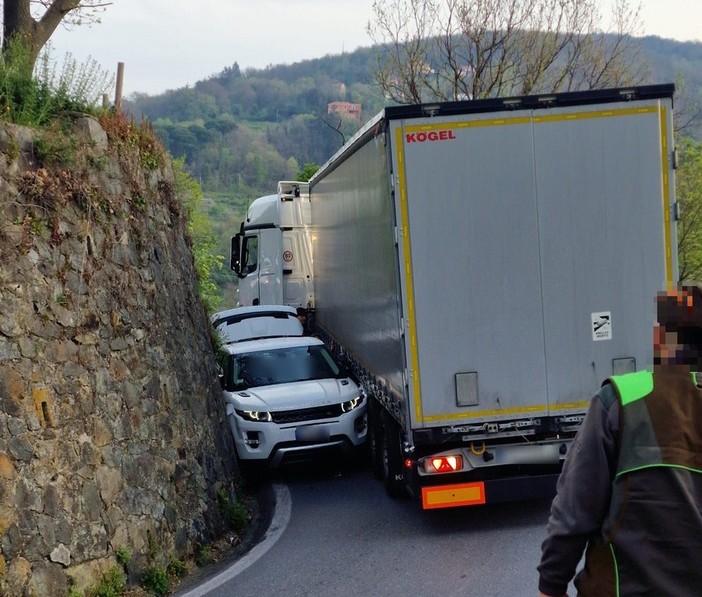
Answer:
(240, 132)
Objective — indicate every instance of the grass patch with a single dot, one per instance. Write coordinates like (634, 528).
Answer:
(112, 584)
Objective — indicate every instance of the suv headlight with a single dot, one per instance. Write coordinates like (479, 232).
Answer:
(259, 416)
(351, 404)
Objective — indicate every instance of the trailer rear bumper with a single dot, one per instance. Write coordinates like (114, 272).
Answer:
(489, 492)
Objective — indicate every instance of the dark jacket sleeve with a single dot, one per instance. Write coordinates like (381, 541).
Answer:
(584, 492)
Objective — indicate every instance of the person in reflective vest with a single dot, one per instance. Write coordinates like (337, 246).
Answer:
(630, 494)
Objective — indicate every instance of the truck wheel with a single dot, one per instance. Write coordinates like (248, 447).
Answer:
(375, 439)
(393, 471)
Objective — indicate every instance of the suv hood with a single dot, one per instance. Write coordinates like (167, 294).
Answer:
(295, 395)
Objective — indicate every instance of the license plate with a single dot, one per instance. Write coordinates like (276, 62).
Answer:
(312, 433)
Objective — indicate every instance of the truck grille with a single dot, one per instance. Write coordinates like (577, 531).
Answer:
(307, 414)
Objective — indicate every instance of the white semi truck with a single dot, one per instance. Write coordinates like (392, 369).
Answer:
(483, 266)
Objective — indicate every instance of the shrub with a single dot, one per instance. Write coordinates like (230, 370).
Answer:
(112, 584)
(124, 556)
(177, 568)
(203, 555)
(235, 513)
(155, 580)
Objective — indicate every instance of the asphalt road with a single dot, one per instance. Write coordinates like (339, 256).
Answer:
(338, 534)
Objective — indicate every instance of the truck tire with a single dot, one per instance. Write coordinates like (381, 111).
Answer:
(375, 439)
(393, 470)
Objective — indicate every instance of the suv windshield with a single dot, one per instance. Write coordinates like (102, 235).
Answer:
(282, 365)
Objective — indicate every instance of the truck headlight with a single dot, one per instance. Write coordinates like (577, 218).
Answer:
(351, 404)
(259, 416)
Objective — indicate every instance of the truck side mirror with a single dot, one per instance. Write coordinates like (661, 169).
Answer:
(235, 255)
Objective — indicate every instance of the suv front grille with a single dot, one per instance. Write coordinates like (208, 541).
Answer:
(307, 414)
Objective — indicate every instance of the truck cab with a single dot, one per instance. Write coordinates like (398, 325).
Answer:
(272, 252)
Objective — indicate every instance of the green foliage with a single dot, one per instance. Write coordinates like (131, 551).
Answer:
(688, 185)
(307, 172)
(56, 147)
(221, 124)
(155, 580)
(242, 133)
(124, 556)
(203, 555)
(33, 99)
(176, 568)
(235, 513)
(112, 584)
(204, 241)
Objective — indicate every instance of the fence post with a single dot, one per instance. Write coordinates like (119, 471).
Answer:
(118, 88)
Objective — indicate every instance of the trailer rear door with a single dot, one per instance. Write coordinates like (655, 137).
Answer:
(531, 246)
(469, 255)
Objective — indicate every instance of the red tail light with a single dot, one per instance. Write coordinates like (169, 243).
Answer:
(444, 464)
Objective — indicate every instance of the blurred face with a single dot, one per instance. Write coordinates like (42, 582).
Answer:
(683, 347)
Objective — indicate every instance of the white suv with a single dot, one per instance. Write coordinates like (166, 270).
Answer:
(288, 400)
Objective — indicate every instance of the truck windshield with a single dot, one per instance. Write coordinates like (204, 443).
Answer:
(283, 365)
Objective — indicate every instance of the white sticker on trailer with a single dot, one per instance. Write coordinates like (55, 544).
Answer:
(601, 326)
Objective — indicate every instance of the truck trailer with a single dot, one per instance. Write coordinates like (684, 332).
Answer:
(482, 266)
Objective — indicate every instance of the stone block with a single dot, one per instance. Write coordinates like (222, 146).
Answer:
(8, 350)
(61, 555)
(60, 351)
(110, 484)
(21, 449)
(47, 579)
(102, 435)
(27, 347)
(18, 573)
(7, 469)
(90, 130)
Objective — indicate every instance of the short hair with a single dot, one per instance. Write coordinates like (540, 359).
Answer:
(301, 311)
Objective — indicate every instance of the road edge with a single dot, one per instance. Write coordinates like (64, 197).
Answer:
(281, 510)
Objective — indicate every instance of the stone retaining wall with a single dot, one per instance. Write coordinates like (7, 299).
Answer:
(111, 431)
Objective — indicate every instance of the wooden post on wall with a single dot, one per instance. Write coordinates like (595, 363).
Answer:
(118, 88)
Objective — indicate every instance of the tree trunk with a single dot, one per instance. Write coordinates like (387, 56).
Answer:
(19, 24)
(16, 19)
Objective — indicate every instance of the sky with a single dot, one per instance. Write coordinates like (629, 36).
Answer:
(168, 44)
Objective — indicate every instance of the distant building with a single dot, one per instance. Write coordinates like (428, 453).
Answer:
(345, 109)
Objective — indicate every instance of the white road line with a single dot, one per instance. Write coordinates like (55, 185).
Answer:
(279, 522)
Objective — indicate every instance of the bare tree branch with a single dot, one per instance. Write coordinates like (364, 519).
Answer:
(452, 49)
